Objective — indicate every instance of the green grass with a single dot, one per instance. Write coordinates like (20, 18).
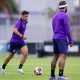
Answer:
(72, 69)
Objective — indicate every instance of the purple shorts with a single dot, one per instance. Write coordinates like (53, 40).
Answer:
(14, 46)
(60, 46)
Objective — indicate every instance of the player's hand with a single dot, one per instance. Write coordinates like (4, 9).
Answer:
(71, 45)
(24, 37)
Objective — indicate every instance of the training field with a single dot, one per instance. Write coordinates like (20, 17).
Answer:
(72, 69)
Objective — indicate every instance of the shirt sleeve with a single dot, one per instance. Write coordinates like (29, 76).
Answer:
(17, 25)
(67, 28)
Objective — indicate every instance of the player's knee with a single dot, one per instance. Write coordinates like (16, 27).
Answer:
(10, 57)
(62, 61)
(25, 54)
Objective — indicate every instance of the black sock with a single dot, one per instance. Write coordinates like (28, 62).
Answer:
(20, 66)
(3, 66)
(60, 72)
(53, 73)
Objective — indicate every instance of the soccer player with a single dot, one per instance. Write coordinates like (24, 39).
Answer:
(61, 37)
(17, 42)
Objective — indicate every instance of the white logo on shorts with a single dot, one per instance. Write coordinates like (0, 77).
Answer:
(14, 51)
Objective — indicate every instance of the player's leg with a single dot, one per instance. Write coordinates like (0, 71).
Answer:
(24, 51)
(62, 63)
(53, 66)
(63, 49)
(54, 60)
(8, 58)
(12, 50)
(62, 66)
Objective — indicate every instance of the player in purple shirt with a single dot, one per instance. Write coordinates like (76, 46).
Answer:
(61, 37)
(17, 42)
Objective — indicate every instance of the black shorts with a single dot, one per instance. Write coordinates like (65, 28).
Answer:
(14, 46)
(60, 46)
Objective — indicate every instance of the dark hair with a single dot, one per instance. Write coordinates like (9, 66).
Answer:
(24, 12)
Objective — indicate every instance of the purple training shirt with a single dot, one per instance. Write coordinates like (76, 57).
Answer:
(61, 28)
(21, 26)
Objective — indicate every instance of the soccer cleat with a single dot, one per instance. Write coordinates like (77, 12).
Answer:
(20, 71)
(52, 78)
(3, 71)
(62, 78)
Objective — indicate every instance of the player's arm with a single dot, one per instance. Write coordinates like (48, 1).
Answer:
(15, 30)
(67, 29)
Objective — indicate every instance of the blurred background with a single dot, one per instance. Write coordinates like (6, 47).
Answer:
(39, 30)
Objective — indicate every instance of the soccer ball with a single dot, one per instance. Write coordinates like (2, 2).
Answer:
(38, 71)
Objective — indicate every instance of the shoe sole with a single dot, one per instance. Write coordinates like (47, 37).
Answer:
(20, 72)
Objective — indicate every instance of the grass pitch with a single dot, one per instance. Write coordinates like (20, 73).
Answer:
(72, 69)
